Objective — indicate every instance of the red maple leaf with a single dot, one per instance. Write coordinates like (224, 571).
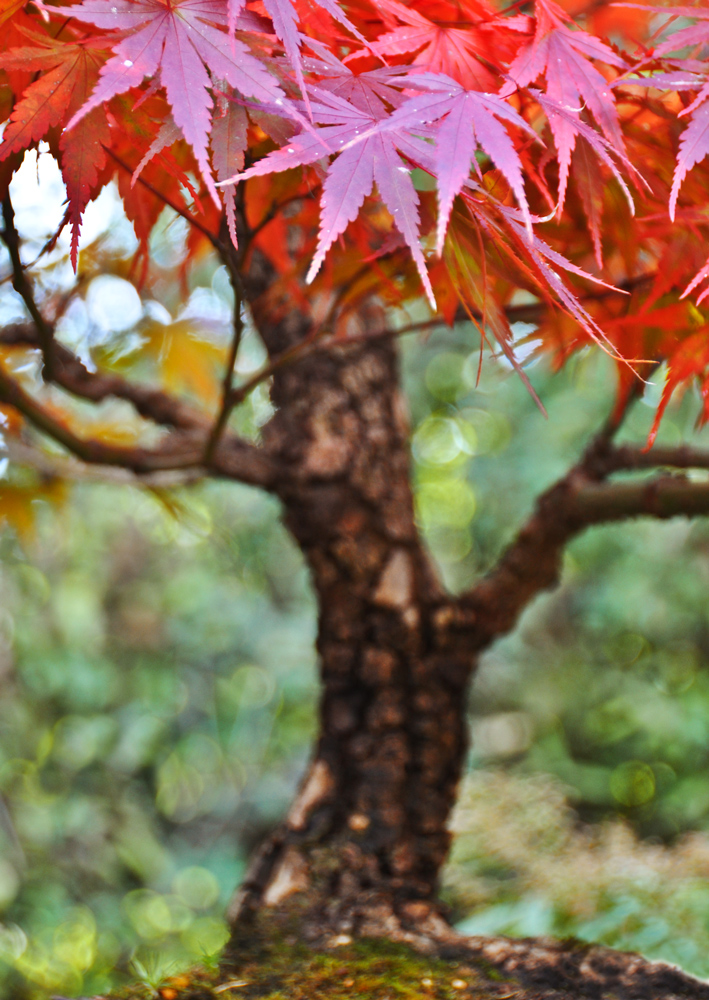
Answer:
(180, 44)
(467, 45)
(8, 8)
(69, 73)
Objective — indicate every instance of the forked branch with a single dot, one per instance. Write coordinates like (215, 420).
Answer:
(72, 375)
(181, 449)
(582, 498)
(174, 453)
(232, 457)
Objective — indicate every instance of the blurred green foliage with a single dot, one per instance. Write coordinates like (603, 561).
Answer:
(521, 865)
(159, 698)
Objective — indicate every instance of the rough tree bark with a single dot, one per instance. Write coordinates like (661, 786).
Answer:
(392, 736)
(392, 728)
(367, 835)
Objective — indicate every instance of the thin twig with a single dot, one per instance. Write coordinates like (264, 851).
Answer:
(226, 404)
(214, 240)
(22, 286)
(174, 453)
(315, 343)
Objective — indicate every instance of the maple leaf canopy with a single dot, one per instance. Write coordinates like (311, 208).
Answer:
(468, 150)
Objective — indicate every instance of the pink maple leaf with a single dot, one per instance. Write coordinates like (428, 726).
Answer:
(693, 147)
(572, 81)
(285, 21)
(695, 34)
(694, 143)
(183, 43)
(351, 177)
(686, 74)
(370, 91)
(229, 141)
(547, 263)
(586, 174)
(469, 121)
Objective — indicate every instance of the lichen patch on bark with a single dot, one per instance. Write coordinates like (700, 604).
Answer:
(396, 582)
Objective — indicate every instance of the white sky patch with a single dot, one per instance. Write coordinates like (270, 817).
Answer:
(38, 195)
(157, 312)
(654, 387)
(113, 304)
(39, 199)
(206, 304)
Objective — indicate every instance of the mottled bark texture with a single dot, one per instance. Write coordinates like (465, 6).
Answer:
(369, 824)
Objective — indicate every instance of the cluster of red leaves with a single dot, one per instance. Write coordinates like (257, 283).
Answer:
(507, 155)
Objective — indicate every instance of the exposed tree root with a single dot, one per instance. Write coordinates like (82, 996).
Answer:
(558, 969)
(475, 968)
(281, 954)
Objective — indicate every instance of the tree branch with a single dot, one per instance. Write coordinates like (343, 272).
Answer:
(227, 405)
(187, 216)
(175, 453)
(22, 286)
(631, 458)
(73, 376)
(660, 497)
(67, 467)
(581, 499)
(183, 449)
(234, 458)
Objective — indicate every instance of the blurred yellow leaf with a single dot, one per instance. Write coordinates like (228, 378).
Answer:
(10, 419)
(109, 431)
(17, 507)
(187, 363)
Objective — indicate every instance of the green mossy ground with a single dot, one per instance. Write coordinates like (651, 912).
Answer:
(367, 970)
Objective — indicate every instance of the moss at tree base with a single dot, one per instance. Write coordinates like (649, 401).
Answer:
(369, 969)
(268, 961)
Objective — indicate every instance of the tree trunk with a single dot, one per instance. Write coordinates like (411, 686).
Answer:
(362, 847)
(367, 833)
(360, 851)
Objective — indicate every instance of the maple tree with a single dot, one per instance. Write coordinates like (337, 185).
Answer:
(351, 164)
